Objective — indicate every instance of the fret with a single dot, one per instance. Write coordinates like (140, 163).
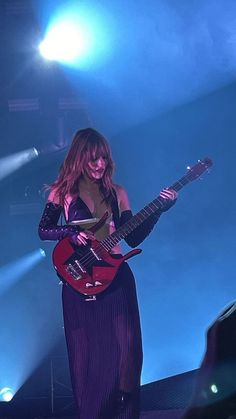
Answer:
(154, 206)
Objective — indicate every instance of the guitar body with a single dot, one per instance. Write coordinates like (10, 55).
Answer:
(87, 269)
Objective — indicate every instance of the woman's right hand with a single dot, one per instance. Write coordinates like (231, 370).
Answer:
(84, 236)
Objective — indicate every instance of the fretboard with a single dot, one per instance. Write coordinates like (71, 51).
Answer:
(157, 204)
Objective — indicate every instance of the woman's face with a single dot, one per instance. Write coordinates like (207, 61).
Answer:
(96, 167)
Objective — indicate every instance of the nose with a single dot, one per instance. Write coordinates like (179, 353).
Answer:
(101, 162)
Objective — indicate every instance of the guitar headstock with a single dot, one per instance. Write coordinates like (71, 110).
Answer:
(198, 169)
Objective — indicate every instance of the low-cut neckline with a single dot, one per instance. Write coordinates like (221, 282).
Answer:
(84, 204)
(114, 209)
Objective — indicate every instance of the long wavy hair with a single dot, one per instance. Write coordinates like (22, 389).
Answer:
(86, 144)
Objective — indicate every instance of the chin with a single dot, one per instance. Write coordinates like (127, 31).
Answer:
(98, 175)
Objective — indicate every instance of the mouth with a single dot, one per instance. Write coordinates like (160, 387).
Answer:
(96, 173)
(99, 171)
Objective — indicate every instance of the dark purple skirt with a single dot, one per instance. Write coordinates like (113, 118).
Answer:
(104, 348)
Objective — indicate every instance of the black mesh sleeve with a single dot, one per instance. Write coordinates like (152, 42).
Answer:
(141, 232)
(48, 228)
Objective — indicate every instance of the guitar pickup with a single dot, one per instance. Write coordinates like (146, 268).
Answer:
(73, 272)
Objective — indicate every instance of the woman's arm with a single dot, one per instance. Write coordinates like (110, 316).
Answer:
(48, 227)
(143, 230)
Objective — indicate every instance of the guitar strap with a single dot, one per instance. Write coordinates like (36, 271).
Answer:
(100, 223)
(115, 210)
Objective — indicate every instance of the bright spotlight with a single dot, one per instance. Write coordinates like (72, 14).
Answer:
(78, 36)
(65, 42)
(13, 162)
(214, 388)
(13, 271)
(42, 252)
(6, 394)
(34, 152)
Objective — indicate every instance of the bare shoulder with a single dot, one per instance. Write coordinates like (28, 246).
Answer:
(53, 196)
(122, 196)
(120, 191)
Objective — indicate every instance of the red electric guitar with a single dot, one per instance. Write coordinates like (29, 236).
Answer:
(91, 269)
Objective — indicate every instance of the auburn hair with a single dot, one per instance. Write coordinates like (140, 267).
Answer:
(86, 144)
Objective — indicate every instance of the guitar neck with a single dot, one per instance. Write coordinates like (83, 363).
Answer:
(110, 241)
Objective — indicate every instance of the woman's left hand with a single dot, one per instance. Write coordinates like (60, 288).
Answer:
(168, 198)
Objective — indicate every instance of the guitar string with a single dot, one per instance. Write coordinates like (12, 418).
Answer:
(110, 242)
(90, 258)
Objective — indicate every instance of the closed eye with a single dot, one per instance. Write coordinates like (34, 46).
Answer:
(100, 157)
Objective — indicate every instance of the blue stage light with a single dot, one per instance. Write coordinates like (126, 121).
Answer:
(15, 270)
(13, 162)
(214, 388)
(6, 394)
(76, 36)
(65, 42)
(42, 253)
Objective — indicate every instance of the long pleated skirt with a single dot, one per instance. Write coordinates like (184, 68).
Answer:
(104, 348)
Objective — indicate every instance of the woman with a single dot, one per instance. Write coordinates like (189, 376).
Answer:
(103, 336)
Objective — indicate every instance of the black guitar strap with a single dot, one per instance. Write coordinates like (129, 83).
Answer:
(115, 210)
